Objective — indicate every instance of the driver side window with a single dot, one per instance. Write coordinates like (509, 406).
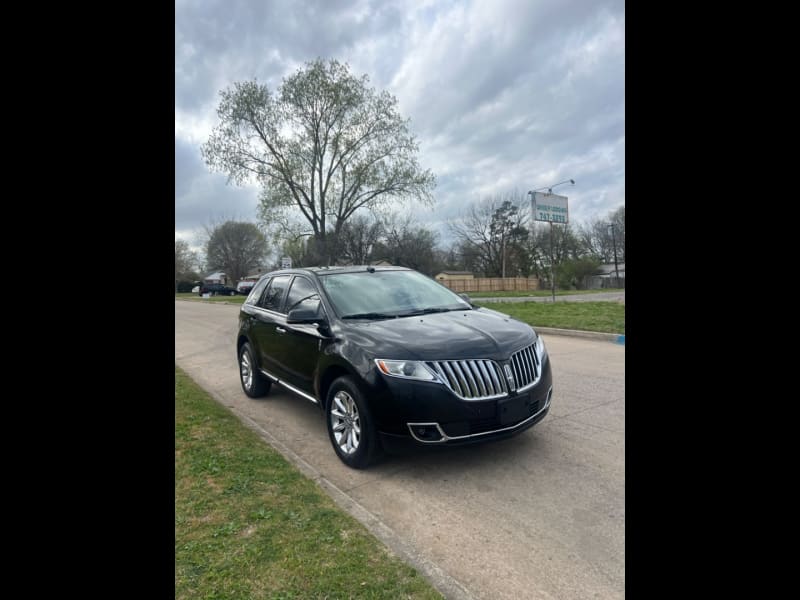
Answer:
(302, 294)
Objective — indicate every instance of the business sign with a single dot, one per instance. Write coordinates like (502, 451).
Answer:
(550, 207)
(286, 262)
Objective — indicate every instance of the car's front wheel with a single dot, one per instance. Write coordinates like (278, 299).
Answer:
(350, 426)
(231, 293)
(253, 382)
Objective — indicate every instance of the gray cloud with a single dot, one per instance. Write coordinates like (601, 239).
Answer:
(502, 95)
(201, 197)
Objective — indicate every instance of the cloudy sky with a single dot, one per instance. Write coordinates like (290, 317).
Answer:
(503, 95)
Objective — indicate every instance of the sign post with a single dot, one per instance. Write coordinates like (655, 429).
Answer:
(553, 209)
(286, 262)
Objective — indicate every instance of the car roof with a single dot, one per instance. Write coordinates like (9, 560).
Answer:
(321, 271)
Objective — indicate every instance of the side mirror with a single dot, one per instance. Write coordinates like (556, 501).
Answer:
(305, 315)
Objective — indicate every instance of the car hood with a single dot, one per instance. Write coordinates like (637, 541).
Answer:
(452, 335)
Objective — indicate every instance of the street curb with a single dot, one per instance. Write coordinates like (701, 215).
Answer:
(592, 335)
(595, 335)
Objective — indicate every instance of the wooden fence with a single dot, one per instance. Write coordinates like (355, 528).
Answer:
(492, 284)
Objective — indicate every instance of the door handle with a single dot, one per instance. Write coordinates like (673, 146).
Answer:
(280, 330)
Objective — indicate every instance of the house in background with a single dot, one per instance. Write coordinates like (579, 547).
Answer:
(218, 277)
(454, 276)
(255, 274)
(609, 271)
(606, 277)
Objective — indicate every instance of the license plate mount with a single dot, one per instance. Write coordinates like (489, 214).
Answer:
(513, 410)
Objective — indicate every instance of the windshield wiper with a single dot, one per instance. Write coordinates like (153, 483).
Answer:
(369, 315)
(428, 311)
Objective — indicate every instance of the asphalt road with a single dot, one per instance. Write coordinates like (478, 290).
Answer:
(541, 515)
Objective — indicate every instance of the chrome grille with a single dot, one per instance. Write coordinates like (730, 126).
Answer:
(471, 379)
(526, 367)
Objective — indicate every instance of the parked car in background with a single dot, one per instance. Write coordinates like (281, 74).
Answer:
(244, 287)
(217, 289)
(391, 357)
(196, 289)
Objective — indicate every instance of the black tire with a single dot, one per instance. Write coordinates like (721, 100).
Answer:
(232, 293)
(255, 385)
(368, 447)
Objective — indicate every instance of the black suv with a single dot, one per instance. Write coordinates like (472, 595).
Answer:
(391, 356)
(217, 289)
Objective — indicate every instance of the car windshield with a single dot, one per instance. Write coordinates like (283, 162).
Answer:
(388, 294)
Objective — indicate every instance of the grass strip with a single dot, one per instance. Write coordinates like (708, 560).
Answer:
(249, 525)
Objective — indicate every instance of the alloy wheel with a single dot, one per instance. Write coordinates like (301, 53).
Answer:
(247, 371)
(345, 422)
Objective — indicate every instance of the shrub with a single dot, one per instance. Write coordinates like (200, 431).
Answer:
(186, 286)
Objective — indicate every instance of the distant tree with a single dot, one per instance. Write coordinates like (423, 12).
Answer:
(597, 239)
(295, 247)
(325, 144)
(407, 244)
(448, 259)
(186, 267)
(617, 218)
(469, 257)
(572, 273)
(357, 239)
(496, 230)
(236, 248)
(554, 245)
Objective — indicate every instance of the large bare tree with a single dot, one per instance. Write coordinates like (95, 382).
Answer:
(357, 239)
(324, 144)
(408, 244)
(496, 230)
(602, 235)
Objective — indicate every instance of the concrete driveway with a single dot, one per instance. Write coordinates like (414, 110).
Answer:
(541, 515)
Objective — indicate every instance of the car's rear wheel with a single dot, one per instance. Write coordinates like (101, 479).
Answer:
(350, 426)
(253, 382)
(231, 293)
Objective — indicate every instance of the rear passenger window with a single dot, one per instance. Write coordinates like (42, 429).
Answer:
(274, 295)
(255, 293)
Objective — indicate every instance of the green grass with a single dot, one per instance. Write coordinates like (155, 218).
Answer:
(537, 293)
(607, 317)
(237, 299)
(249, 525)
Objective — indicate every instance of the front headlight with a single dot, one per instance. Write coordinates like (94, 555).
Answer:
(541, 351)
(410, 369)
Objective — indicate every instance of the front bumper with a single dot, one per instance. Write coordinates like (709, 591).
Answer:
(428, 414)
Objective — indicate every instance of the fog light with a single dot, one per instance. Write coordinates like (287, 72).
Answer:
(425, 432)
